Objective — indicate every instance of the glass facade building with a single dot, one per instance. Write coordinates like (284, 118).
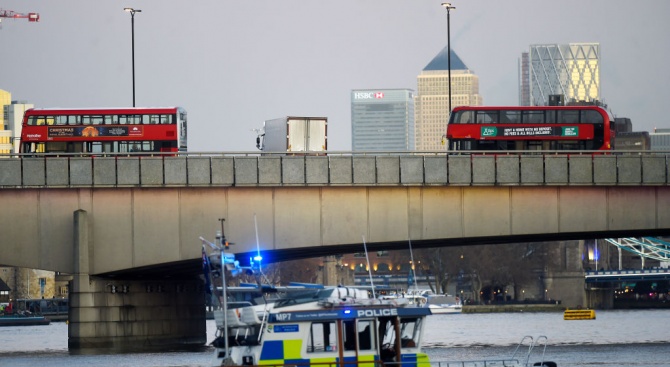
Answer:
(382, 119)
(571, 70)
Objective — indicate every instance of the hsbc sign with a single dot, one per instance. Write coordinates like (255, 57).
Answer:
(368, 95)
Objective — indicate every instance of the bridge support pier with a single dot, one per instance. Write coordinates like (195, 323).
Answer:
(600, 298)
(570, 286)
(127, 314)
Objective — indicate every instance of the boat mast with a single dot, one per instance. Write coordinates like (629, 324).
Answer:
(367, 259)
(411, 256)
(221, 244)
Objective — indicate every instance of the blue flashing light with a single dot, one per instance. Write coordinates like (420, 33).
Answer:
(346, 312)
(258, 258)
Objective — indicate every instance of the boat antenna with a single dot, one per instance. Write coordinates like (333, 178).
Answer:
(365, 247)
(411, 256)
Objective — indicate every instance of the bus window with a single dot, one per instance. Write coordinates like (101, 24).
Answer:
(61, 120)
(464, 117)
(533, 117)
(97, 120)
(510, 117)
(550, 116)
(94, 147)
(131, 119)
(592, 117)
(29, 147)
(568, 116)
(487, 117)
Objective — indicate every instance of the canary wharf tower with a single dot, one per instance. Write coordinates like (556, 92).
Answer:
(571, 70)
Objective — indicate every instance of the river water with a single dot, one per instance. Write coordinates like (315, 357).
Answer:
(639, 338)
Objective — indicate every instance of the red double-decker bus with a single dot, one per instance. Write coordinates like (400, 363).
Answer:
(104, 130)
(479, 128)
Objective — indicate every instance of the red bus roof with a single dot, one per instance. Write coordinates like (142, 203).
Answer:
(526, 108)
(101, 110)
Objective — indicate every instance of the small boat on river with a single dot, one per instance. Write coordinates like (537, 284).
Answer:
(443, 304)
(439, 304)
(23, 320)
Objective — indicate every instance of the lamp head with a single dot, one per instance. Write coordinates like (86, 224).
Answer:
(448, 6)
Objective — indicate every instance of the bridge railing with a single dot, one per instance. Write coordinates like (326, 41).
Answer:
(541, 168)
(600, 276)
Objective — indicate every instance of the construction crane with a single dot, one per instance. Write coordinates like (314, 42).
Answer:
(32, 17)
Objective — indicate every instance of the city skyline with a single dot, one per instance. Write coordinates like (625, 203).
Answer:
(234, 65)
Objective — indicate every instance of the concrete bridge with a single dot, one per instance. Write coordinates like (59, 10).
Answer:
(127, 227)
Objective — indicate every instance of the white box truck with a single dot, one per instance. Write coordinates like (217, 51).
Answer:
(294, 134)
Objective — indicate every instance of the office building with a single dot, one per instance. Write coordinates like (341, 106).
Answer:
(5, 99)
(571, 70)
(660, 139)
(382, 119)
(13, 116)
(432, 98)
(633, 140)
(5, 135)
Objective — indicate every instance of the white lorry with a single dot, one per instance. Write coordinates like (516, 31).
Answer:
(294, 134)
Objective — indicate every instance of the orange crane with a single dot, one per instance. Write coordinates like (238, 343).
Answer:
(32, 17)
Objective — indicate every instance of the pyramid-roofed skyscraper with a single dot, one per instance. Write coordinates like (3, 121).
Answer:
(432, 98)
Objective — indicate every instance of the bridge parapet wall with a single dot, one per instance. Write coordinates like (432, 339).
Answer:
(353, 170)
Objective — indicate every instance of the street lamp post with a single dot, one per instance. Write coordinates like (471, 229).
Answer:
(449, 8)
(132, 30)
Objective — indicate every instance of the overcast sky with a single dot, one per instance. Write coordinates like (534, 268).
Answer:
(234, 63)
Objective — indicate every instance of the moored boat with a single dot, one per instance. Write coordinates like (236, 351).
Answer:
(438, 303)
(443, 304)
(23, 320)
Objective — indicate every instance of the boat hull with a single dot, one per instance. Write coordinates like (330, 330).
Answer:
(445, 310)
(23, 320)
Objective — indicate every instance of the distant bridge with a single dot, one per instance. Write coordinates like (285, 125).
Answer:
(627, 275)
(645, 247)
